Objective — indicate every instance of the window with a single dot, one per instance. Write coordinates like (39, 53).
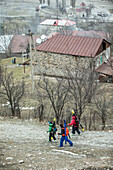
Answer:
(104, 46)
(101, 60)
(97, 62)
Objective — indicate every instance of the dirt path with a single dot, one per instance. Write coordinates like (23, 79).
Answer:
(24, 146)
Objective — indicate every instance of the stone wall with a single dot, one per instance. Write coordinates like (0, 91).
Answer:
(56, 64)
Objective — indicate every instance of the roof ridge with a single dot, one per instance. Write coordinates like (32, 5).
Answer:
(80, 36)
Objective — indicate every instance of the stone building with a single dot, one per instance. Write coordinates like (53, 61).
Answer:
(61, 51)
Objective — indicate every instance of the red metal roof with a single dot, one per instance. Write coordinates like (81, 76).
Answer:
(106, 68)
(19, 43)
(72, 45)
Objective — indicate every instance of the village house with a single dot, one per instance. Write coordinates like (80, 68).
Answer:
(19, 45)
(82, 10)
(61, 51)
(55, 25)
(55, 52)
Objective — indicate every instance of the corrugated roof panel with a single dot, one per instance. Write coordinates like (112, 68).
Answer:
(87, 43)
(86, 51)
(76, 47)
(80, 46)
(70, 45)
(95, 46)
(66, 45)
(61, 44)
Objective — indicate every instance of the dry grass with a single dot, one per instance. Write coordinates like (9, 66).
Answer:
(30, 101)
(16, 68)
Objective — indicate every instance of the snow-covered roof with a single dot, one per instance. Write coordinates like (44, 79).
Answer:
(4, 42)
(58, 22)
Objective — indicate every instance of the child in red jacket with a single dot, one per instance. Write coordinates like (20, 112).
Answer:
(74, 123)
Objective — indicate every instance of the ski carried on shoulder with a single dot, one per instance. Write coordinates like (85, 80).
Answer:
(81, 126)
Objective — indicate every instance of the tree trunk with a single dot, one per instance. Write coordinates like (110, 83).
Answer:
(63, 3)
(57, 3)
(41, 112)
(85, 120)
(90, 121)
(94, 127)
(19, 114)
(0, 74)
(103, 124)
(72, 3)
(13, 112)
(57, 118)
(80, 113)
(48, 2)
(40, 1)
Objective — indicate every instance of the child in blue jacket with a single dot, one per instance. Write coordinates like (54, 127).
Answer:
(64, 137)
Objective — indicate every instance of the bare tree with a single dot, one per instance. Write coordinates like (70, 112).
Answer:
(12, 91)
(5, 50)
(41, 105)
(39, 112)
(0, 72)
(109, 36)
(56, 93)
(102, 108)
(82, 85)
(14, 27)
(72, 3)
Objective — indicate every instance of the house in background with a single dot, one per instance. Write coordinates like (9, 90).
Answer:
(60, 51)
(55, 25)
(82, 10)
(19, 45)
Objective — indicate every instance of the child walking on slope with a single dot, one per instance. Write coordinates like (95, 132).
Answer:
(64, 135)
(74, 123)
(52, 130)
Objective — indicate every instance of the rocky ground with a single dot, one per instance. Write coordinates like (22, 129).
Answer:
(24, 146)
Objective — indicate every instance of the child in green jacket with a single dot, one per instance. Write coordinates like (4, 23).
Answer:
(52, 130)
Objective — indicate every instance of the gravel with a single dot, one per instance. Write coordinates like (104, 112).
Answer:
(24, 145)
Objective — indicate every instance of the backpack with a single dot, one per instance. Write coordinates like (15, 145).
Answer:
(67, 131)
(55, 129)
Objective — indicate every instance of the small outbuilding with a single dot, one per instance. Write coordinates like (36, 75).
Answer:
(105, 71)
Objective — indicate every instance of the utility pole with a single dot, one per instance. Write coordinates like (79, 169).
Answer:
(31, 59)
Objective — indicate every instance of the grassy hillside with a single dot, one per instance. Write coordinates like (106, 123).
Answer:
(30, 101)
(16, 68)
